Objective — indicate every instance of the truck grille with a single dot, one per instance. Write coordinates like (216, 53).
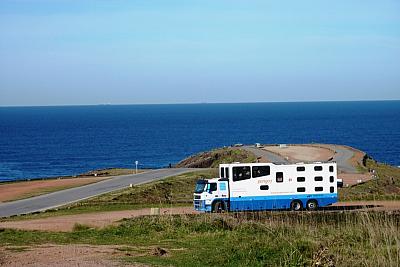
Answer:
(197, 204)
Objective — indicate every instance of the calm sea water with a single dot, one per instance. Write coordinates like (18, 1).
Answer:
(52, 141)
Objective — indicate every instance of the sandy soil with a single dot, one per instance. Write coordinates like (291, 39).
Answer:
(354, 178)
(66, 223)
(61, 255)
(302, 153)
(18, 190)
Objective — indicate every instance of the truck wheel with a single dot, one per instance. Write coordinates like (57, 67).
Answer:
(312, 205)
(296, 205)
(218, 207)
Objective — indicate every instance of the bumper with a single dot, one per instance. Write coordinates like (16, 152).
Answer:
(200, 205)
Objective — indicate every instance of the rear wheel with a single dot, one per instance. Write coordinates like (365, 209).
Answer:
(312, 205)
(218, 207)
(296, 205)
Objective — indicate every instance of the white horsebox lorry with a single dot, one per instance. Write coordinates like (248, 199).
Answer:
(268, 186)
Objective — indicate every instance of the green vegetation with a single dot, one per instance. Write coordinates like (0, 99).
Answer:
(80, 227)
(385, 187)
(213, 158)
(17, 248)
(243, 239)
(112, 172)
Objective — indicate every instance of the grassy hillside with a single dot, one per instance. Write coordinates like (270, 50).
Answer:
(236, 239)
(212, 159)
(178, 190)
(385, 187)
(243, 239)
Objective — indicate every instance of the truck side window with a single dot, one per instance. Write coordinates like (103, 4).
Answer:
(318, 168)
(301, 179)
(222, 186)
(259, 171)
(222, 172)
(279, 177)
(241, 173)
(227, 172)
(213, 187)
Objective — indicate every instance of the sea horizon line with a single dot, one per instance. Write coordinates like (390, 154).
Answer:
(196, 103)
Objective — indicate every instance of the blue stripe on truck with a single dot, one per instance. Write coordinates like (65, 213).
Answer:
(278, 202)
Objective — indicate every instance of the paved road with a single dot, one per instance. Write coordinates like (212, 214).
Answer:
(266, 154)
(67, 196)
(342, 157)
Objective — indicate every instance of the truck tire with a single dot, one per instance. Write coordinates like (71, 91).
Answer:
(218, 207)
(296, 205)
(312, 205)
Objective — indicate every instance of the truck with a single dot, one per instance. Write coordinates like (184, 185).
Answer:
(268, 186)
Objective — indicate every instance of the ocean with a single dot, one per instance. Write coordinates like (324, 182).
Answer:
(38, 142)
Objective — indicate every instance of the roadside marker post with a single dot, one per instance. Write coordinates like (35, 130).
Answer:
(136, 163)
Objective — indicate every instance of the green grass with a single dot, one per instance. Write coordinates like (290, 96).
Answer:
(17, 248)
(212, 159)
(243, 239)
(230, 155)
(113, 172)
(385, 187)
(80, 227)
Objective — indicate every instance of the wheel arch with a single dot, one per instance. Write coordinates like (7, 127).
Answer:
(296, 200)
(222, 201)
(313, 200)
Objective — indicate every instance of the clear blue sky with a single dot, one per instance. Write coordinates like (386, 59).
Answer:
(55, 52)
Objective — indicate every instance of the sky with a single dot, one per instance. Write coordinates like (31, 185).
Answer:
(59, 52)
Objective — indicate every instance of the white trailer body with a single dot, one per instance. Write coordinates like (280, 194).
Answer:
(267, 186)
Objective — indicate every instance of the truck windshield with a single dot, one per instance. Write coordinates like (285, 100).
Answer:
(200, 185)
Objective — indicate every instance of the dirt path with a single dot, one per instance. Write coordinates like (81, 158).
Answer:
(19, 190)
(101, 219)
(265, 156)
(296, 153)
(62, 255)
(354, 178)
(66, 223)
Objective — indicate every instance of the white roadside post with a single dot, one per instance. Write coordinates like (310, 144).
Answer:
(136, 163)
